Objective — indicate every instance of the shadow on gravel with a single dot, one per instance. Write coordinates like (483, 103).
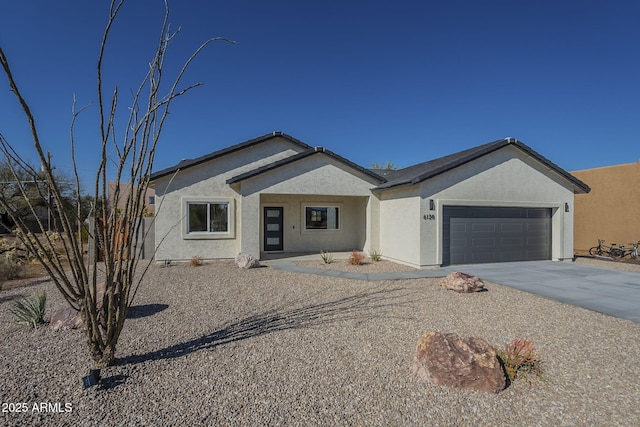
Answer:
(11, 297)
(112, 381)
(139, 311)
(361, 306)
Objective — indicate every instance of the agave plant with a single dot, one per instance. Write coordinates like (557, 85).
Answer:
(30, 312)
(375, 255)
(327, 257)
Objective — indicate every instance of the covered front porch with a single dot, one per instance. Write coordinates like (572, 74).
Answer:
(307, 224)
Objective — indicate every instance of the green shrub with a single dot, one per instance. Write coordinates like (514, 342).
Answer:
(327, 257)
(30, 312)
(520, 359)
(375, 255)
(10, 266)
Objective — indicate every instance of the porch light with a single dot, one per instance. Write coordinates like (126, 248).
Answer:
(566, 207)
(432, 205)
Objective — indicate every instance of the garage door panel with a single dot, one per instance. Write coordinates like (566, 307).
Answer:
(479, 235)
(537, 226)
(511, 241)
(507, 256)
(511, 228)
(482, 228)
(481, 257)
(458, 228)
(486, 242)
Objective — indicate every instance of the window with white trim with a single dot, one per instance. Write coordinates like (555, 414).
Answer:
(321, 218)
(208, 217)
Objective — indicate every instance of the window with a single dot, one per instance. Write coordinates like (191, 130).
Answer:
(208, 217)
(322, 218)
(152, 200)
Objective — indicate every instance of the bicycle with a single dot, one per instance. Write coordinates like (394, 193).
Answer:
(633, 252)
(603, 250)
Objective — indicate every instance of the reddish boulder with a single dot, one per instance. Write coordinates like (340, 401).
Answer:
(462, 283)
(66, 317)
(448, 360)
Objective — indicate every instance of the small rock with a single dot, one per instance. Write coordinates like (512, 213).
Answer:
(462, 283)
(448, 360)
(246, 261)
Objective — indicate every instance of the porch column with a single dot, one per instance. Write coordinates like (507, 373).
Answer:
(250, 224)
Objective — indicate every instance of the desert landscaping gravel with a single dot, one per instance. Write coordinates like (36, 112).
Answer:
(216, 345)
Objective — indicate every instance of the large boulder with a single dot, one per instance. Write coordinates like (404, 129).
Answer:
(448, 360)
(66, 317)
(462, 283)
(246, 261)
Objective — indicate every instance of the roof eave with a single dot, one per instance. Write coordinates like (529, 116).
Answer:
(300, 156)
(185, 164)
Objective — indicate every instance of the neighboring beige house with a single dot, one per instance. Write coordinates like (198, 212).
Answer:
(611, 211)
(149, 197)
(500, 201)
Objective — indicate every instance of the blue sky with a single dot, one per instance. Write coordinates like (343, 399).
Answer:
(374, 81)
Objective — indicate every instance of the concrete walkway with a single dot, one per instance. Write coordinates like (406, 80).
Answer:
(612, 292)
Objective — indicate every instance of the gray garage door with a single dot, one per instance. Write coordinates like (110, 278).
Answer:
(484, 234)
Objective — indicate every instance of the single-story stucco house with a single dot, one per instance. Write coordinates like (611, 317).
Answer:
(499, 201)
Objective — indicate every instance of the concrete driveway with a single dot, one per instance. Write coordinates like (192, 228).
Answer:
(612, 292)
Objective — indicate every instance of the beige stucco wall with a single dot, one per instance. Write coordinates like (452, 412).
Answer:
(506, 177)
(611, 211)
(124, 193)
(208, 180)
(400, 225)
(317, 178)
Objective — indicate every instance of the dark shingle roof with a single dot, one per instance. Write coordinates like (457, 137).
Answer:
(387, 178)
(300, 156)
(423, 171)
(184, 164)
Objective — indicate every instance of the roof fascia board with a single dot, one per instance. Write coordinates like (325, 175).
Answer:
(228, 150)
(300, 156)
(578, 185)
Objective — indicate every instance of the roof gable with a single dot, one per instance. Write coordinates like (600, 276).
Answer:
(300, 156)
(423, 171)
(185, 164)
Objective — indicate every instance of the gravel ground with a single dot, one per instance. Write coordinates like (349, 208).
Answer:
(215, 345)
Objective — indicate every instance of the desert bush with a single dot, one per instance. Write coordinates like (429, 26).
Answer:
(375, 255)
(327, 257)
(45, 244)
(520, 359)
(10, 267)
(195, 261)
(356, 258)
(30, 312)
(12, 260)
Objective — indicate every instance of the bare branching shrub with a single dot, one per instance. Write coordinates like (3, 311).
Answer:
(129, 158)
